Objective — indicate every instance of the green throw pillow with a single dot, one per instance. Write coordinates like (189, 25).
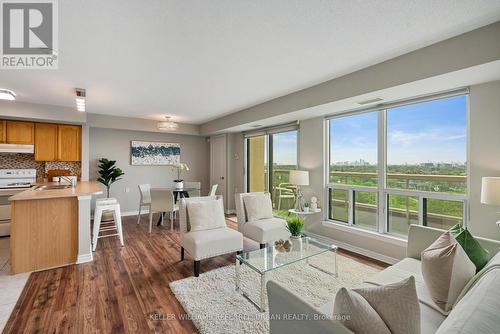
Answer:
(476, 253)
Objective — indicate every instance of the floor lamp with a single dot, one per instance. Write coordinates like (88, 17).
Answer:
(299, 178)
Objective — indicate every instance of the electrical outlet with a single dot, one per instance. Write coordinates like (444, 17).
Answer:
(127, 189)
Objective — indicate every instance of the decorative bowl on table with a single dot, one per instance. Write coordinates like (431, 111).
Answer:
(283, 246)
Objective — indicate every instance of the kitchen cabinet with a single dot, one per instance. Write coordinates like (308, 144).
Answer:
(3, 132)
(19, 132)
(46, 142)
(69, 142)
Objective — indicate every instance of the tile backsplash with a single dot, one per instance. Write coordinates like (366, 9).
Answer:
(24, 160)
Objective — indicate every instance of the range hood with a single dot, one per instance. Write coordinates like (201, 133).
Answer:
(15, 148)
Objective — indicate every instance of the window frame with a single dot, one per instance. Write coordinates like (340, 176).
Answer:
(382, 190)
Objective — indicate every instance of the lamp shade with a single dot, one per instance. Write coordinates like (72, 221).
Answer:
(490, 190)
(299, 177)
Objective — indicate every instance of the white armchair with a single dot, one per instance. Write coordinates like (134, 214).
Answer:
(264, 230)
(206, 243)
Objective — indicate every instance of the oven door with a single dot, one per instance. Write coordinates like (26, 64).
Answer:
(5, 215)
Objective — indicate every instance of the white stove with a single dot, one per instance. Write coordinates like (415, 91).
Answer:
(17, 178)
(12, 181)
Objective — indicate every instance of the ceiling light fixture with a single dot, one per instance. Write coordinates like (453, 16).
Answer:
(80, 99)
(168, 124)
(6, 94)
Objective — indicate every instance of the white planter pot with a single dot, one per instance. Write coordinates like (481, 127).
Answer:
(306, 209)
(179, 185)
(296, 243)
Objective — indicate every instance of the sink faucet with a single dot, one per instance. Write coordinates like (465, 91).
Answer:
(72, 181)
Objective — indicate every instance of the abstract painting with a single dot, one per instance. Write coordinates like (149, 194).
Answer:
(145, 153)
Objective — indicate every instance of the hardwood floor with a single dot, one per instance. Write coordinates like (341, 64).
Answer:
(124, 290)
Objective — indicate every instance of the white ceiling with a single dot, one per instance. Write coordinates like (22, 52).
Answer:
(199, 60)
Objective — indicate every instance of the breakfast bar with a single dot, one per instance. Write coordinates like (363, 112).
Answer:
(51, 226)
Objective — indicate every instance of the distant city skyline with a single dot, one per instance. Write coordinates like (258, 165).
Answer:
(433, 131)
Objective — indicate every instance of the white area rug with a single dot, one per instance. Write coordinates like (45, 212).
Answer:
(214, 306)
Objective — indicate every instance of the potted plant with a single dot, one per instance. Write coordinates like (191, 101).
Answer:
(109, 173)
(295, 226)
(179, 183)
(306, 207)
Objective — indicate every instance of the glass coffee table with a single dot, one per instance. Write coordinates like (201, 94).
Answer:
(268, 259)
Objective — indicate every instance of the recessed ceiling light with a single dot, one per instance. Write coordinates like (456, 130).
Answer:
(256, 126)
(377, 99)
(168, 124)
(6, 94)
(81, 94)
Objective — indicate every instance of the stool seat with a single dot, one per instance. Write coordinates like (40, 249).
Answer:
(107, 204)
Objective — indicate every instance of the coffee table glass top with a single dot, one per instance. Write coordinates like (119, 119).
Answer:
(268, 259)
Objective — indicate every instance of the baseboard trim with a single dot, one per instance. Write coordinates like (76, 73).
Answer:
(83, 258)
(355, 249)
(133, 213)
(230, 212)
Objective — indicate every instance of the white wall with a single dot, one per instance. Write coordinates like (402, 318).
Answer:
(236, 159)
(115, 145)
(484, 153)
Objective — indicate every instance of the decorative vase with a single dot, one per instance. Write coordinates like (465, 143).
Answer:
(296, 243)
(179, 184)
(314, 206)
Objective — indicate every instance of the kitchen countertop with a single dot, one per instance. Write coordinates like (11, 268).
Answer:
(83, 188)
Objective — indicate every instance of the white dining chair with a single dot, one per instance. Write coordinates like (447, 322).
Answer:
(162, 200)
(193, 185)
(145, 192)
(213, 191)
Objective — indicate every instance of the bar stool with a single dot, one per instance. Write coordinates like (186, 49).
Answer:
(101, 205)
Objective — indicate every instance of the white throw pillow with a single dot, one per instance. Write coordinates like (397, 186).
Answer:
(258, 207)
(446, 269)
(205, 215)
(397, 304)
(355, 313)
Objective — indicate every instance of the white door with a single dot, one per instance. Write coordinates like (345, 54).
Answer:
(218, 165)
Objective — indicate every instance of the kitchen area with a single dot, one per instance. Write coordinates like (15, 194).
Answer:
(44, 205)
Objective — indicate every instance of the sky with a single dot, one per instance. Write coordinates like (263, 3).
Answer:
(433, 131)
(285, 148)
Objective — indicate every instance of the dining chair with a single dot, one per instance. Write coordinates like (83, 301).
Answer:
(284, 191)
(145, 192)
(193, 185)
(162, 200)
(213, 190)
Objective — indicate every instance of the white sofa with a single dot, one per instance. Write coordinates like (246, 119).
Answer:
(476, 311)
(262, 231)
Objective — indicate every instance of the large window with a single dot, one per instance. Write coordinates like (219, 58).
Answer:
(400, 165)
(270, 158)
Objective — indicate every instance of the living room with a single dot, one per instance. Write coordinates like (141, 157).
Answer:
(257, 167)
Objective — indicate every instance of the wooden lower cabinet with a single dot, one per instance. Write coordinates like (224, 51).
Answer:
(44, 233)
(3, 131)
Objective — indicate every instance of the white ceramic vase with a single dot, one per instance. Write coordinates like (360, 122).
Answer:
(179, 185)
(296, 243)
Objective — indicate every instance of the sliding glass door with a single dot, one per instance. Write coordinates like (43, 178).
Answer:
(269, 160)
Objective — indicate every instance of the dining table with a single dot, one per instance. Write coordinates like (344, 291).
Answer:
(178, 193)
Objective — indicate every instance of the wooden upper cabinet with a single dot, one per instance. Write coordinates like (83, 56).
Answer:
(3, 132)
(69, 142)
(45, 142)
(20, 132)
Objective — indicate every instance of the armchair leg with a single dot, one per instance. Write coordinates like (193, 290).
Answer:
(262, 246)
(182, 253)
(196, 268)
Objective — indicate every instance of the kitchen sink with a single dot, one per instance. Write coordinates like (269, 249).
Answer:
(53, 187)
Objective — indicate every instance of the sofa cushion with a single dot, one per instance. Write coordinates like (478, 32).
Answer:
(397, 304)
(266, 230)
(357, 314)
(205, 215)
(204, 244)
(476, 253)
(258, 206)
(446, 269)
(477, 311)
